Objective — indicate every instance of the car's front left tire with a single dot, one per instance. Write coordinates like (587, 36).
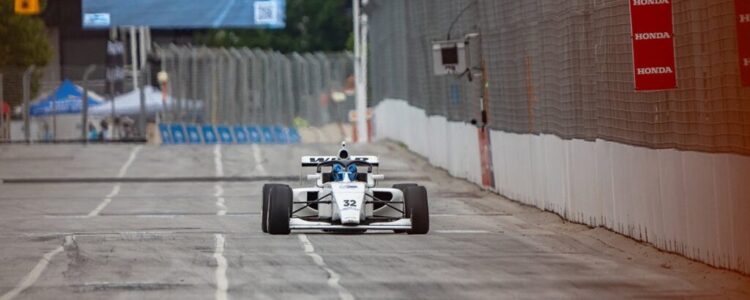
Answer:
(279, 209)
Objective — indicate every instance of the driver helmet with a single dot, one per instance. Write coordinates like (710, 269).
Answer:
(341, 173)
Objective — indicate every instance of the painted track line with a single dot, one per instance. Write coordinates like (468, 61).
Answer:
(105, 202)
(116, 188)
(258, 160)
(218, 186)
(33, 276)
(129, 162)
(222, 284)
(217, 161)
(333, 277)
(220, 202)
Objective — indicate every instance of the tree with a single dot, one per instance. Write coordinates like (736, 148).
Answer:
(311, 25)
(23, 42)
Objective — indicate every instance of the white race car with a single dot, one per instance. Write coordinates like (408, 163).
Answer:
(345, 199)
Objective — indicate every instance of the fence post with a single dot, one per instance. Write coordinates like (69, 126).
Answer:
(26, 99)
(142, 95)
(2, 110)
(85, 104)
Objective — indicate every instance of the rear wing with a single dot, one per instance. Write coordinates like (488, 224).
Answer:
(313, 161)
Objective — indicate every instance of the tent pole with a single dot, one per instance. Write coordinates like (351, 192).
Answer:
(85, 104)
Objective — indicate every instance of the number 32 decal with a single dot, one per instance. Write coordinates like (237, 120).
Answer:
(350, 203)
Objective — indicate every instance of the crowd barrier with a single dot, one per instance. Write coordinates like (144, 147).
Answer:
(180, 134)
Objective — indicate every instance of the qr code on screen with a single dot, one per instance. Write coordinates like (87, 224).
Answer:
(265, 12)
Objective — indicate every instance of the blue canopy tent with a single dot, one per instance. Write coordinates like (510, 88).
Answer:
(67, 99)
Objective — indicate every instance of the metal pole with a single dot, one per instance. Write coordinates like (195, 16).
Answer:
(361, 101)
(26, 95)
(134, 56)
(362, 122)
(85, 104)
(142, 44)
(2, 110)
(142, 117)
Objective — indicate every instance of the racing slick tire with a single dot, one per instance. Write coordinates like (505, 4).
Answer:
(418, 211)
(263, 213)
(402, 187)
(279, 209)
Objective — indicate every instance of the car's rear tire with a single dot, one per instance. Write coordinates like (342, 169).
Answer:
(417, 209)
(402, 187)
(279, 209)
(264, 210)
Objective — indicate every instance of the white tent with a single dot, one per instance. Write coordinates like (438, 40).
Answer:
(129, 104)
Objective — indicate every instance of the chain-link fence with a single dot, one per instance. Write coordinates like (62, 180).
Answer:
(204, 86)
(251, 86)
(565, 68)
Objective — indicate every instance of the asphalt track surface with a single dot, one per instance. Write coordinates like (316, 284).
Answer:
(176, 13)
(186, 239)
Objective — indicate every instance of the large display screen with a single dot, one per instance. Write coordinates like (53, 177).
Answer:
(173, 14)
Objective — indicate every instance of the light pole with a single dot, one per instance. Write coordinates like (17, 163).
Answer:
(360, 70)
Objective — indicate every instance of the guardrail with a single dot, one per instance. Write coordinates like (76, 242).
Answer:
(193, 134)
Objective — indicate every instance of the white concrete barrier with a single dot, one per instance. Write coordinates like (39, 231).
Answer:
(692, 203)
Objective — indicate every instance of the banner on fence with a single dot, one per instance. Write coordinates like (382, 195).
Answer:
(652, 33)
(742, 9)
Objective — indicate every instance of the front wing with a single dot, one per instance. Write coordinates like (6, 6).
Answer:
(401, 224)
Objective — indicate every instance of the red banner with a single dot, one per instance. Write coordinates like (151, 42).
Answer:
(742, 9)
(653, 45)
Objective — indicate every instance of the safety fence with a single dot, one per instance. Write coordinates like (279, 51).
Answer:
(568, 132)
(202, 86)
(565, 68)
(241, 86)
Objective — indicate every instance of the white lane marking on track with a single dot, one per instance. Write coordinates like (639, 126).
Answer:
(220, 202)
(129, 162)
(32, 277)
(105, 202)
(116, 188)
(462, 231)
(333, 277)
(258, 160)
(217, 161)
(223, 14)
(221, 268)
(219, 194)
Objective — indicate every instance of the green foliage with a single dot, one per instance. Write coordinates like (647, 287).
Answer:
(23, 42)
(311, 25)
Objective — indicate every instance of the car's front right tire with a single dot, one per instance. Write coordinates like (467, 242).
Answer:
(402, 187)
(279, 209)
(264, 210)
(418, 210)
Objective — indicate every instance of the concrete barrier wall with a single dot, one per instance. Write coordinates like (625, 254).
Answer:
(695, 204)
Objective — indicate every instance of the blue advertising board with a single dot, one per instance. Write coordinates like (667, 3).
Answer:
(294, 137)
(178, 133)
(164, 132)
(194, 135)
(240, 135)
(281, 137)
(209, 134)
(268, 136)
(236, 134)
(225, 135)
(254, 134)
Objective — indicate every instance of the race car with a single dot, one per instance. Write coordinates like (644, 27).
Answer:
(345, 199)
